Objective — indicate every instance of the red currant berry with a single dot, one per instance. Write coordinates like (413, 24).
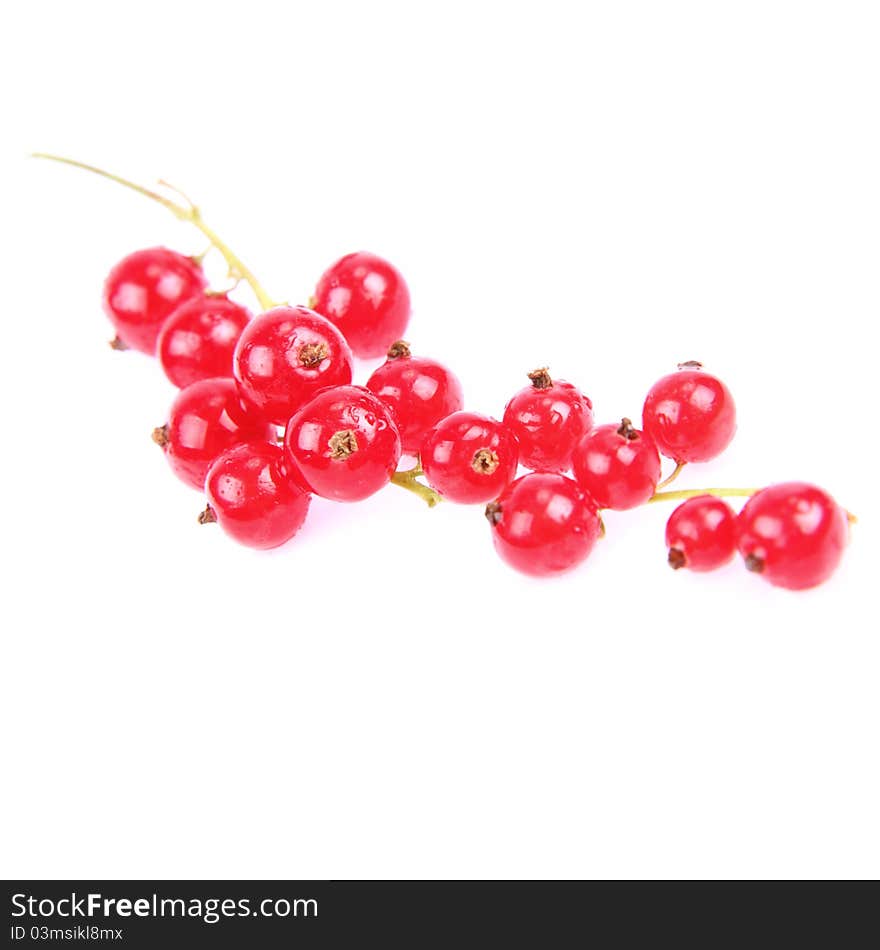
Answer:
(343, 444)
(543, 524)
(690, 415)
(206, 419)
(284, 356)
(548, 418)
(469, 458)
(617, 465)
(143, 290)
(419, 391)
(367, 298)
(792, 534)
(701, 534)
(252, 499)
(198, 339)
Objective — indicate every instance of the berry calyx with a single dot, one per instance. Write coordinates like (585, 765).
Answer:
(198, 339)
(343, 444)
(313, 354)
(541, 378)
(548, 418)
(398, 350)
(284, 356)
(419, 391)
(367, 298)
(251, 497)
(617, 465)
(792, 534)
(469, 458)
(144, 289)
(543, 524)
(207, 515)
(485, 461)
(690, 415)
(701, 534)
(206, 419)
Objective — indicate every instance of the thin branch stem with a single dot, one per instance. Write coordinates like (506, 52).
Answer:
(695, 492)
(183, 212)
(409, 481)
(673, 475)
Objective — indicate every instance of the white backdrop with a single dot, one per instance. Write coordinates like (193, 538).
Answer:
(607, 189)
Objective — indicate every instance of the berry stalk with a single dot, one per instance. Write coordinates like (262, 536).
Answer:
(409, 480)
(672, 475)
(718, 493)
(682, 494)
(238, 270)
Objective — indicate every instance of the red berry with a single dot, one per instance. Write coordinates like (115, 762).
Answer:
(198, 339)
(251, 497)
(690, 415)
(617, 465)
(548, 418)
(419, 391)
(367, 298)
(469, 458)
(543, 524)
(701, 534)
(144, 289)
(284, 356)
(792, 534)
(206, 419)
(343, 444)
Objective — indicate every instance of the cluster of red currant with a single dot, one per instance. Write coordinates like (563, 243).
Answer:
(267, 416)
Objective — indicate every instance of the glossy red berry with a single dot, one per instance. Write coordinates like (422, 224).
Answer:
(206, 419)
(419, 391)
(690, 415)
(792, 534)
(548, 418)
(617, 465)
(343, 444)
(367, 298)
(543, 524)
(144, 289)
(284, 356)
(251, 497)
(197, 341)
(469, 458)
(701, 534)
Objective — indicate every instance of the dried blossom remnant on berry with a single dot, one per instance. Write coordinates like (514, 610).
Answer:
(311, 354)
(541, 378)
(118, 344)
(160, 436)
(493, 512)
(399, 350)
(208, 516)
(485, 462)
(628, 430)
(690, 364)
(676, 559)
(754, 564)
(343, 444)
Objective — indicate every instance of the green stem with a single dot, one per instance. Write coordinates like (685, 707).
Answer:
(188, 212)
(718, 493)
(409, 481)
(673, 475)
(694, 492)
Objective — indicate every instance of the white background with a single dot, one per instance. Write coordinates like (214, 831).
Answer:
(604, 188)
